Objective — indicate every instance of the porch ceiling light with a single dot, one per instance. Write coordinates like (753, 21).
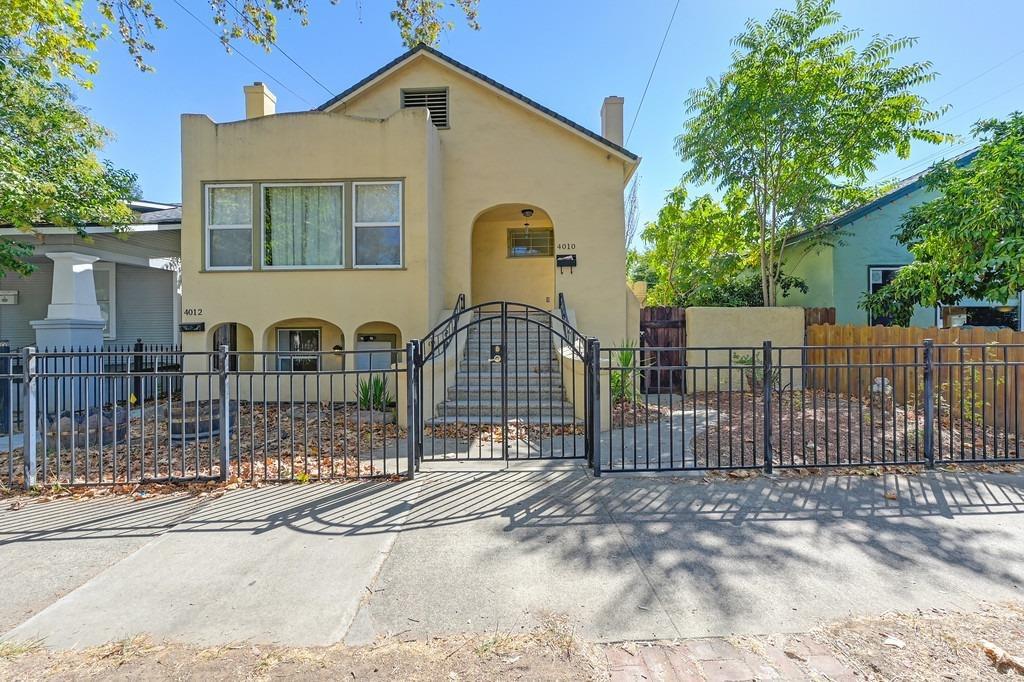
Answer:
(527, 214)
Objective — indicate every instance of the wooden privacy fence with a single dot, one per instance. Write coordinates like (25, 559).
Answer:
(819, 316)
(978, 374)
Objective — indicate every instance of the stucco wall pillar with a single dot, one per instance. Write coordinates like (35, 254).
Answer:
(73, 318)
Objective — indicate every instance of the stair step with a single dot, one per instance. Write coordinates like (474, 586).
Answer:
(534, 367)
(523, 394)
(494, 415)
(515, 381)
(511, 352)
(492, 372)
(555, 419)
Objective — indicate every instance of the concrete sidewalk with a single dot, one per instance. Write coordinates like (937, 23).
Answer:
(286, 564)
(464, 550)
(631, 558)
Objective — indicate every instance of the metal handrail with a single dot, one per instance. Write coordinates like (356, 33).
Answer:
(562, 308)
(442, 335)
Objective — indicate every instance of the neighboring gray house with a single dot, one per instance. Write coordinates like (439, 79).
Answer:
(132, 277)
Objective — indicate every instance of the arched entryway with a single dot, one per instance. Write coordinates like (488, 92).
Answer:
(376, 343)
(237, 337)
(303, 344)
(513, 254)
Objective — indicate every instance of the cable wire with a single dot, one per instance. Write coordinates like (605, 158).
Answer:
(242, 54)
(653, 67)
(281, 50)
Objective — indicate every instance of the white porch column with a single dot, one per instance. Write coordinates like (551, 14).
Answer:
(73, 319)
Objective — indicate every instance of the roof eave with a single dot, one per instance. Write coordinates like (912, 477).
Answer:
(859, 212)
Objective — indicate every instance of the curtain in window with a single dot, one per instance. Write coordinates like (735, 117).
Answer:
(303, 226)
(230, 206)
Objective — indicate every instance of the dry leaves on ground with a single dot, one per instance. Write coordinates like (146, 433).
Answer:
(551, 651)
(935, 644)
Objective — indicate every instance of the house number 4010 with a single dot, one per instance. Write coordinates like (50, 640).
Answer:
(193, 312)
(566, 246)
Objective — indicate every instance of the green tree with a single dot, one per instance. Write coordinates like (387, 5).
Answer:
(969, 241)
(49, 173)
(696, 248)
(59, 31)
(797, 122)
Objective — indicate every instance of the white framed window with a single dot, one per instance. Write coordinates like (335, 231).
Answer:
(531, 243)
(377, 224)
(229, 227)
(105, 279)
(303, 225)
(297, 350)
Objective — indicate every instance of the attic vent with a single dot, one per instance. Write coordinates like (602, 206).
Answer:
(434, 99)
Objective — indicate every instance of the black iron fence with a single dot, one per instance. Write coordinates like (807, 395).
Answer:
(771, 407)
(107, 418)
(142, 359)
(121, 416)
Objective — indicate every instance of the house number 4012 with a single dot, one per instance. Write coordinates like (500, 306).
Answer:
(193, 312)
(566, 246)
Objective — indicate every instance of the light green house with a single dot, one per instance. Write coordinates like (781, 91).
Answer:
(863, 255)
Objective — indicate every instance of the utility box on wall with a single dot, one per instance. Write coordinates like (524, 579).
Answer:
(8, 298)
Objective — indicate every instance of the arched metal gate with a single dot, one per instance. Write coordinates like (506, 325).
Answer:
(504, 381)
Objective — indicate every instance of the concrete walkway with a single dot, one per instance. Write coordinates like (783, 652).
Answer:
(465, 549)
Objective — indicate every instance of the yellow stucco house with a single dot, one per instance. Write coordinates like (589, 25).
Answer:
(360, 223)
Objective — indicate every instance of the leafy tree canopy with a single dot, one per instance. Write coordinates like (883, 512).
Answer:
(797, 122)
(49, 173)
(699, 253)
(968, 242)
(58, 32)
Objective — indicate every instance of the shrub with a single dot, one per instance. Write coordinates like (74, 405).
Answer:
(624, 372)
(373, 393)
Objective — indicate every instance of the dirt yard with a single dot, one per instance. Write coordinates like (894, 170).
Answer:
(984, 644)
(933, 645)
(818, 428)
(270, 442)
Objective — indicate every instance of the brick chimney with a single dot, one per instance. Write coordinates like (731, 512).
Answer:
(259, 100)
(611, 119)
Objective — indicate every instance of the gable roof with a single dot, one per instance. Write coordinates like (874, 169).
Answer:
(903, 188)
(425, 50)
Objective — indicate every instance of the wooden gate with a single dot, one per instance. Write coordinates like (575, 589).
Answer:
(663, 327)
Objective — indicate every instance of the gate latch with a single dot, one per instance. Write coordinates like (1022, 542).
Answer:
(497, 352)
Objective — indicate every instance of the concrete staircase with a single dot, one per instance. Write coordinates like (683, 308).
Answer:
(535, 394)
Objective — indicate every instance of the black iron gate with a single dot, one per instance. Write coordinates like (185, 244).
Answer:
(504, 381)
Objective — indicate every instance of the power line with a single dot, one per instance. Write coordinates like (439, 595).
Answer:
(923, 161)
(281, 50)
(242, 54)
(984, 102)
(986, 71)
(651, 76)
(960, 147)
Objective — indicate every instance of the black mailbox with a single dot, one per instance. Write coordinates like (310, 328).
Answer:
(193, 327)
(565, 260)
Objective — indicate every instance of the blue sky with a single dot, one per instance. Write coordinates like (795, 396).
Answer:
(566, 55)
